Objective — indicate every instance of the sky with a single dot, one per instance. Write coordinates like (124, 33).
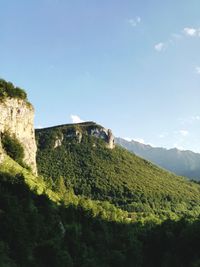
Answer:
(130, 65)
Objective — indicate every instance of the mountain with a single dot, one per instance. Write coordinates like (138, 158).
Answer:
(184, 163)
(44, 228)
(91, 203)
(93, 170)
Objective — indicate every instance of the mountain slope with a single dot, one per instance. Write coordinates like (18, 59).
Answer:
(184, 163)
(37, 232)
(43, 223)
(117, 176)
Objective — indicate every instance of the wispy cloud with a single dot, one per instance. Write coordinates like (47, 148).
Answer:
(163, 135)
(184, 133)
(159, 47)
(39, 126)
(178, 146)
(76, 119)
(196, 118)
(191, 32)
(140, 140)
(197, 70)
(127, 139)
(134, 21)
(189, 120)
(174, 37)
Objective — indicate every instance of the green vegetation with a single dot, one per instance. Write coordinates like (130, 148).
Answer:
(13, 147)
(92, 206)
(7, 89)
(36, 232)
(116, 176)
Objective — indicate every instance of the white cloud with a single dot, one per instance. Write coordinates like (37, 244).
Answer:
(191, 32)
(76, 119)
(176, 36)
(127, 139)
(163, 135)
(184, 133)
(187, 31)
(134, 22)
(179, 147)
(39, 127)
(160, 47)
(140, 140)
(196, 118)
(190, 120)
(197, 69)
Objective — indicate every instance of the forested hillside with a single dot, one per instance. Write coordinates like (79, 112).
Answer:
(184, 163)
(117, 176)
(38, 232)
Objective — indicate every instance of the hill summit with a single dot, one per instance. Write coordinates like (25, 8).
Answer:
(75, 132)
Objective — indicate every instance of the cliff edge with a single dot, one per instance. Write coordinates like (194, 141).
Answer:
(17, 119)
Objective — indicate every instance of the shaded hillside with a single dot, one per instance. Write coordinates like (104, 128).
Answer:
(115, 175)
(36, 232)
(184, 163)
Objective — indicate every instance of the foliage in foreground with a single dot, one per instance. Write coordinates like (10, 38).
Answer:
(13, 147)
(34, 231)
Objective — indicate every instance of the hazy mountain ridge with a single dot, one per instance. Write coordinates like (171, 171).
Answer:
(185, 163)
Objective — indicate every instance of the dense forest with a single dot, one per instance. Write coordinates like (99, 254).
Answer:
(117, 176)
(38, 232)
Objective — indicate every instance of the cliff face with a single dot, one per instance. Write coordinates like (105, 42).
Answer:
(77, 131)
(16, 117)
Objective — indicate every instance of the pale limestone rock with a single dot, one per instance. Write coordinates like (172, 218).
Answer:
(1, 154)
(79, 136)
(17, 117)
(105, 134)
(111, 139)
(58, 141)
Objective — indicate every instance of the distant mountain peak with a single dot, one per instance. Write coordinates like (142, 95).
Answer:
(181, 162)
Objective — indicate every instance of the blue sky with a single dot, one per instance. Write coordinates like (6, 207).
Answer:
(132, 66)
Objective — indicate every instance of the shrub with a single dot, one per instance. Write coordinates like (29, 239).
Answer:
(13, 147)
(7, 89)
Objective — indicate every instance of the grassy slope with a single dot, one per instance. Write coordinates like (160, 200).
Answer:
(36, 232)
(60, 194)
(82, 233)
(115, 175)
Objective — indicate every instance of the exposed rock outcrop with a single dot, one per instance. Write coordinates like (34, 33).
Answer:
(58, 141)
(17, 118)
(111, 139)
(79, 136)
(76, 132)
(1, 154)
(105, 134)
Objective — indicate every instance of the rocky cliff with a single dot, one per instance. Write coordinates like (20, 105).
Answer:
(16, 118)
(76, 132)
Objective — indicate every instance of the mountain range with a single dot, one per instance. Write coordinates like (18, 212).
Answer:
(184, 163)
(79, 200)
